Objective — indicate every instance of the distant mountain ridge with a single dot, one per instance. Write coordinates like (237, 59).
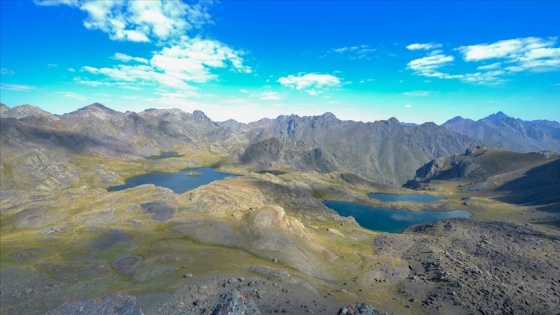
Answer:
(502, 131)
(383, 151)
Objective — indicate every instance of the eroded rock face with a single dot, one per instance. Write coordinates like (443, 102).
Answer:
(360, 309)
(236, 303)
(115, 304)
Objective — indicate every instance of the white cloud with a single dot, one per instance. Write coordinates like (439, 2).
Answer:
(72, 95)
(268, 96)
(127, 58)
(515, 55)
(492, 66)
(522, 54)
(180, 59)
(354, 52)
(483, 78)
(140, 21)
(311, 82)
(190, 61)
(52, 65)
(417, 93)
(6, 71)
(408, 106)
(56, 2)
(424, 46)
(136, 86)
(71, 69)
(428, 66)
(16, 87)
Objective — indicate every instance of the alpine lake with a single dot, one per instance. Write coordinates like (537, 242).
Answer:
(376, 219)
(393, 220)
(179, 182)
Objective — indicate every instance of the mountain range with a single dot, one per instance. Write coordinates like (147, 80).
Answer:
(513, 134)
(385, 151)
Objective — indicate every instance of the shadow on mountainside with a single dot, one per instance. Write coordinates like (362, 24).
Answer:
(540, 186)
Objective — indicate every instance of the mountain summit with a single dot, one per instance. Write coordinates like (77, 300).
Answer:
(502, 131)
(496, 117)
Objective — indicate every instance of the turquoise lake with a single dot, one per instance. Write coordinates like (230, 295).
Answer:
(390, 220)
(419, 198)
(178, 182)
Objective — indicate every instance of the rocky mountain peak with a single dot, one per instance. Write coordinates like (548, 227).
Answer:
(502, 131)
(199, 115)
(328, 115)
(455, 119)
(26, 110)
(3, 108)
(95, 110)
(496, 117)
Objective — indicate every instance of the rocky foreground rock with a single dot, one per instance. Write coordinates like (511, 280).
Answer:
(115, 304)
(233, 302)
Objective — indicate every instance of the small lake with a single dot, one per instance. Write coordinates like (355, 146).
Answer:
(419, 198)
(178, 182)
(390, 220)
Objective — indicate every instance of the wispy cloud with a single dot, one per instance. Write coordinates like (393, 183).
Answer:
(268, 96)
(140, 21)
(190, 61)
(72, 95)
(127, 58)
(180, 58)
(56, 2)
(417, 93)
(312, 83)
(71, 69)
(492, 66)
(429, 66)
(424, 46)
(520, 54)
(366, 80)
(353, 52)
(408, 106)
(511, 56)
(6, 71)
(52, 65)
(16, 87)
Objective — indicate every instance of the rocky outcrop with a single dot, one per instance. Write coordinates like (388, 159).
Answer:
(360, 309)
(446, 169)
(115, 304)
(489, 167)
(236, 303)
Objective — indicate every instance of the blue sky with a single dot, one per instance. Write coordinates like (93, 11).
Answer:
(417, 61)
